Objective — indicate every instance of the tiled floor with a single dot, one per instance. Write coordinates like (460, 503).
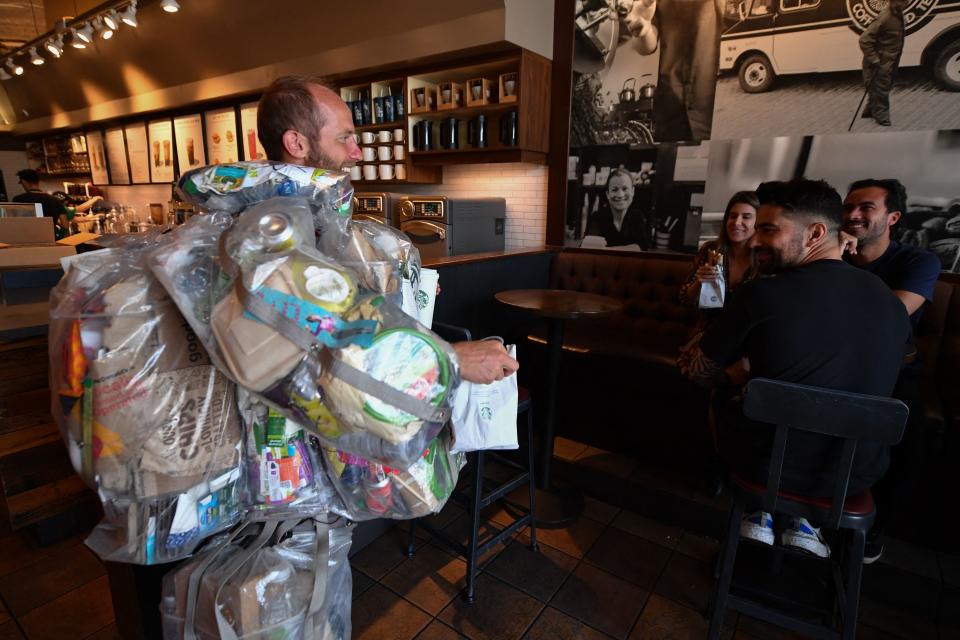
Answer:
(613, 573)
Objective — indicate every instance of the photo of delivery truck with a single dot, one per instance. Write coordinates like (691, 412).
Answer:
(773, 38)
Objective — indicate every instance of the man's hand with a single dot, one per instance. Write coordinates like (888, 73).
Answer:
(484, 361)
(848, 243)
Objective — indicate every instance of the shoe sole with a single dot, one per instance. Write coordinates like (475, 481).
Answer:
(807, 545)
(756, 532)
(871, 559)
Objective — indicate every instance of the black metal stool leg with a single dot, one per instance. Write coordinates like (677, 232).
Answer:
(411, 538)
(854, 571)
(728, 557)
(532, 481)
(474, 526)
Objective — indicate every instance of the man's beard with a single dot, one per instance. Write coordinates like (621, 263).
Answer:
(871, 233)
(318, 159)
(777, 260)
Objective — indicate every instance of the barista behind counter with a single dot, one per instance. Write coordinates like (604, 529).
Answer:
(33, 194)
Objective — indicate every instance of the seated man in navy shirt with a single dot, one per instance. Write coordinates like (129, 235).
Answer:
(816, 321)
(870, 209)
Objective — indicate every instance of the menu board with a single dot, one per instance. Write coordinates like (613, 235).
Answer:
(160, 133)
(222, 135)
(252, 149)
(138, 153)
(117, 156)
(98, 162)
(189, 135)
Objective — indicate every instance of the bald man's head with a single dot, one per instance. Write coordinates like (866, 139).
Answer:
(304, 122)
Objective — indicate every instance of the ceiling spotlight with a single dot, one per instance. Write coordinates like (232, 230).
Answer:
(85, 33)
(15, 69)
(75, 41)
(103, 30)
(35, 57)
(55, 46)
(129, 16)
(111, 19)
(170, 6)
(4, 75)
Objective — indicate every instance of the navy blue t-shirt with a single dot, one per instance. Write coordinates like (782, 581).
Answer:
(907, 268)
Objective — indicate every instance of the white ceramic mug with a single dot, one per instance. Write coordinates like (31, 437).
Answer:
(398, 135)
(368, 137)
(399, 151)
(401, 171)
(384, 153)
(369, 154)
(355, 172)
(369, 172)
(385, 136)
(386, 171)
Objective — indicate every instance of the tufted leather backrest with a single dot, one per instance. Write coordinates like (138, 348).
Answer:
(648, 286)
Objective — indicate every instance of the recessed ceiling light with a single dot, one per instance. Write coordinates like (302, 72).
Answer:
(170, 6)
(35, 57)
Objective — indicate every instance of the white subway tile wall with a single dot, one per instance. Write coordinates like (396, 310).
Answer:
(523, 185)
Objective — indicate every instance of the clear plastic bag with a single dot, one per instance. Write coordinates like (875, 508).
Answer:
(273, 579)
(355, 347)
(372, 490)
(283, 475)
(148, 421)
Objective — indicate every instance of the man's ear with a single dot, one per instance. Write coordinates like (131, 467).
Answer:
(816, 232)
(893, 218)
(295, 144)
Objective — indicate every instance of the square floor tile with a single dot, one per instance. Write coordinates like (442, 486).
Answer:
(539, 573)
(75, 614)
(664, 619)
(601, 599)
(699, 547)
(883, 615)
(599, 511)
(750, 628)
(865, 632)
(566, 449)
(612, 464)
(430, 579)
(436, 630)
(665, 481)
(10, 631)
(556, 625)
(361, 582)
(109, 632)
(383, 554)
(49, 577)
(629, 557)
(687, 581)
(459, 530)
(500, 611)
(911, 558)
(574, 540)
(19, 550)
(665, 535)
(380, 614)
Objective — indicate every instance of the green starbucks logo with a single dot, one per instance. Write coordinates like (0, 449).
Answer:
(486, 413)
(422, 300)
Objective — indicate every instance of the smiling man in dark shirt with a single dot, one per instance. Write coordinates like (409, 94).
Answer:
(815, 321)
(872, 207)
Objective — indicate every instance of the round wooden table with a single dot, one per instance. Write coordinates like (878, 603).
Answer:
(557, 306)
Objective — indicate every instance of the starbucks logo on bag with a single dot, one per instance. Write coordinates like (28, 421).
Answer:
(916, 14)
(422, 300)
(486, 413)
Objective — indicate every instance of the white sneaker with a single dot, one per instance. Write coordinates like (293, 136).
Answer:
(799, 534)
(757, 526)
